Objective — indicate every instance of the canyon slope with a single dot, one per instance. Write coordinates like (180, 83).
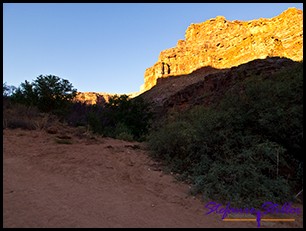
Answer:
(207, 85)
(219, 44)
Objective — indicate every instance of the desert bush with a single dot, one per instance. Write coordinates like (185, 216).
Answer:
(14, 123)
(173, 144)
(120, 118)
(78, 114)
(246, 148)
(20, 116)
(246, 178)
(133, 113)
(122, 132)
(17, 115)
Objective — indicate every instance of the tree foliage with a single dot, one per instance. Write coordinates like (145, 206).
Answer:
(121, 117)
(8, 90)
(49, 93)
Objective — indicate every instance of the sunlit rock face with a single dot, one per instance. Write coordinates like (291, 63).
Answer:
(92, 97)
(220, 43)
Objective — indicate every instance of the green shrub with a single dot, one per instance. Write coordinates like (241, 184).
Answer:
(249, 178)
(133, 113)
(245, 149)
(95, 123)
(120, 118)
(173, 144)
(122, 132)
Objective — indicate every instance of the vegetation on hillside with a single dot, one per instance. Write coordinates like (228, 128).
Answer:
(38, 104)
(247, 148)
(121, 117)
(49, 93)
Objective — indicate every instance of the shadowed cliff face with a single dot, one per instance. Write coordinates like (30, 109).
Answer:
(220, 44)
(206, 85)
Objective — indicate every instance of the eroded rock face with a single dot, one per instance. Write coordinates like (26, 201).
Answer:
(92, 97)
(98, 97)
(207, 86)
(220, 43)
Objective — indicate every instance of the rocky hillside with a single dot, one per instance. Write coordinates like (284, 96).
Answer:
(206, 85)
(220, 43)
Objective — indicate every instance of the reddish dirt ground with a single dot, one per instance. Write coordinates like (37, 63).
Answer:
(98, 182)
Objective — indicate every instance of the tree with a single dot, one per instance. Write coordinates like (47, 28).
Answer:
(48, 93)
(8, 90)
(53, 92)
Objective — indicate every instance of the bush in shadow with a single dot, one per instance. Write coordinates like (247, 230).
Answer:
(121, 117)
(246, 149)
(16, 115)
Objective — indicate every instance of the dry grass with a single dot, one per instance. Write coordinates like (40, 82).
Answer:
(28, 118)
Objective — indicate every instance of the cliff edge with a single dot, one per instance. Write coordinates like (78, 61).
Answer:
(220, 43)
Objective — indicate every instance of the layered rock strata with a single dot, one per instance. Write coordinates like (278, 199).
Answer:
(220, 43)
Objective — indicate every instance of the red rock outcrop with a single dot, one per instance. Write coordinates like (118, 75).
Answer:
(98, 97)
(92, 97)
(220, 43)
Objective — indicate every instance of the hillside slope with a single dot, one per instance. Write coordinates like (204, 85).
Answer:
(206, 84)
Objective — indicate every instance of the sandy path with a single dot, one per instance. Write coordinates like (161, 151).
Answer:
(95, 183)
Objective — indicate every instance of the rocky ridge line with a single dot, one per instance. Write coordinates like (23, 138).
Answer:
(220, 43)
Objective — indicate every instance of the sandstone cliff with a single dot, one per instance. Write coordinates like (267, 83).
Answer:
(92, 97)
(220, 43)
(97, 97)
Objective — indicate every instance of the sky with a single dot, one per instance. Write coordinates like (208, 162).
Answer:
(104, 47)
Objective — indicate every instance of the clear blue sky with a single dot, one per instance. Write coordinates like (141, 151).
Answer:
(104, 47)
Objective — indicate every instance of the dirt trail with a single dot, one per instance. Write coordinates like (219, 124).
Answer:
(96, 183)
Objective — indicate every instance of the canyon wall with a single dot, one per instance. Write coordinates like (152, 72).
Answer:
(220, 43)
